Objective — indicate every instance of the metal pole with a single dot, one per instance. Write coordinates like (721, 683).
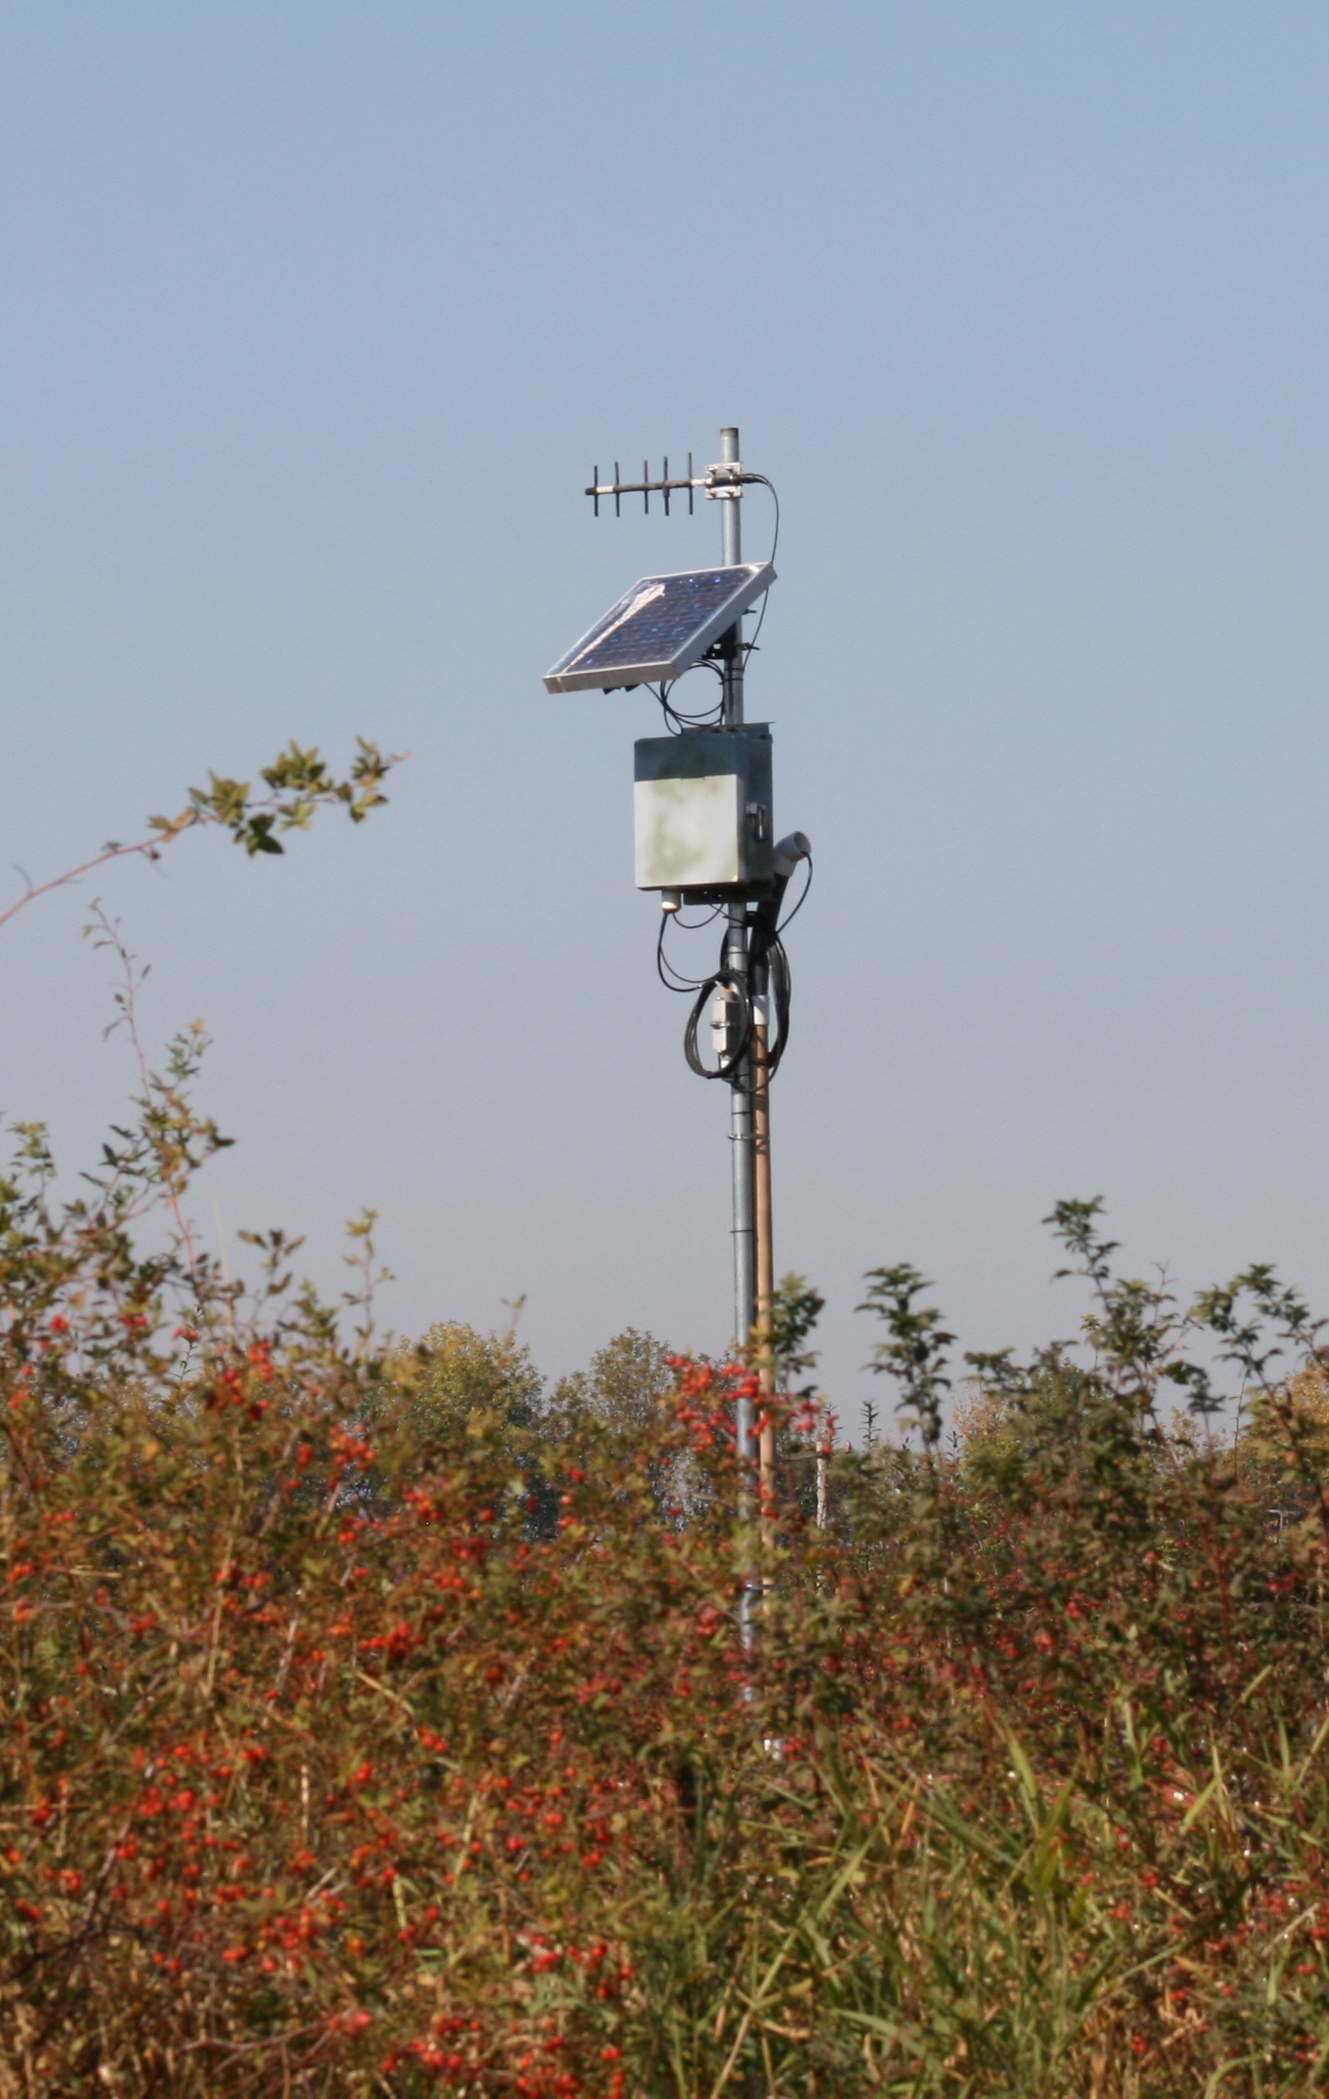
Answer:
(740, 1097)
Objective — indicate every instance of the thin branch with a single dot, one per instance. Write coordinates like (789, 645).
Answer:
(298, 782)
(150, 847)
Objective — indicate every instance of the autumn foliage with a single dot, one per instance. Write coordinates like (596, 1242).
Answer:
(357, 1742)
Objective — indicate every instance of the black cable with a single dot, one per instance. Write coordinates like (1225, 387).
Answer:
(676, 721)
(768, 974)
(749, 646)
(766, 960)
(684, 724)
(801, 901)
(782, 980)
(663, 963)
(679, 723)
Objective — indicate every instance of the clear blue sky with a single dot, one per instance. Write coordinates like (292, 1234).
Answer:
(314, 320)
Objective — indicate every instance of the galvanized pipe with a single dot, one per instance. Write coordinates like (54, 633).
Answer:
(740, 1098)
(736, 959)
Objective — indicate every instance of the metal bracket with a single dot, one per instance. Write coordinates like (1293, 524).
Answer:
(724, 481)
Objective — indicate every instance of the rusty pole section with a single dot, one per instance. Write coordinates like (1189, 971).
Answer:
(763, 1232)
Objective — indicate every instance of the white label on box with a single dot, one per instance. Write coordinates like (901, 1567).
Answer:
(687, 831)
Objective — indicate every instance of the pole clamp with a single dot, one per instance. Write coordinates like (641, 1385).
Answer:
(723, 482)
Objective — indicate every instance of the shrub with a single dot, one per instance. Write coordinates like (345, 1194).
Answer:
(337, 1760)
(375, 1724)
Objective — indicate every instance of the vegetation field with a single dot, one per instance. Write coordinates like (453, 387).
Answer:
(377, 1720)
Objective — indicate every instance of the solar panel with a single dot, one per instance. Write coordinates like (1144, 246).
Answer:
(660, 628)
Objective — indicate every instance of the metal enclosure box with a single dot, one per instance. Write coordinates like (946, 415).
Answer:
(704, 818)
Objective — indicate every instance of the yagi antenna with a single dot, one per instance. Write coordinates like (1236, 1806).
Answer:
(645, 488)
(723, 481)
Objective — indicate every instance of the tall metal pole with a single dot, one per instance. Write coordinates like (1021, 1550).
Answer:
(740, 1097)
(736, 959)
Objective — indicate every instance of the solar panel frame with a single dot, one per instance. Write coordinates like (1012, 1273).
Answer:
(657, 658)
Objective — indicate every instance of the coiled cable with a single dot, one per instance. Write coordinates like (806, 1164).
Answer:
(766, 959)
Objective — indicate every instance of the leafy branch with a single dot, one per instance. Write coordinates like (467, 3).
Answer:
(795, 1310)
(298, 783)
(915, 1355)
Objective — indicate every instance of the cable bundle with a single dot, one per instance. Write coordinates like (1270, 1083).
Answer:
(767, 974)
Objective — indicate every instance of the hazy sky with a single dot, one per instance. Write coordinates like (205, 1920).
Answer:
(313, 321)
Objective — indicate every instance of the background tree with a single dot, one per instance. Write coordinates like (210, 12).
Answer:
(622, 1394)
